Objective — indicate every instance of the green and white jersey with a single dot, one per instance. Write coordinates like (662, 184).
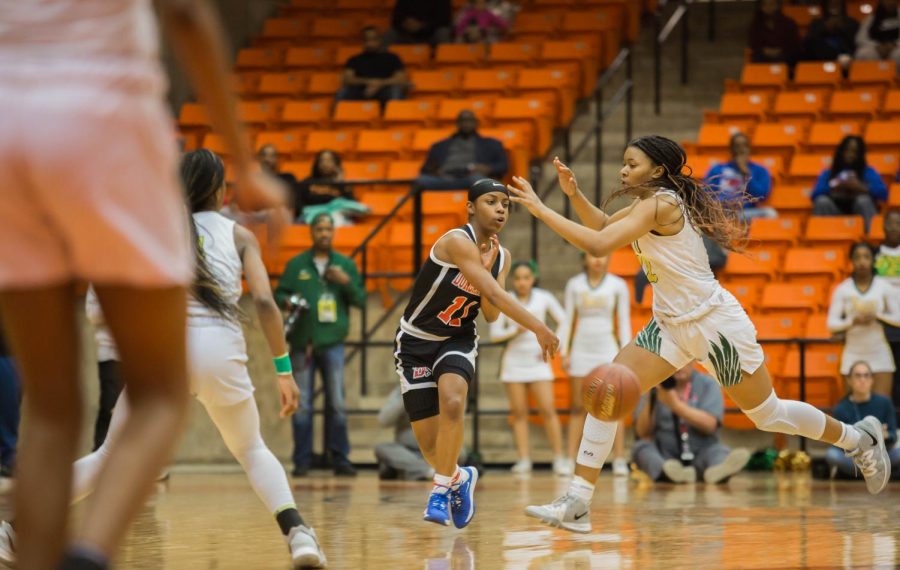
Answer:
(677, 267)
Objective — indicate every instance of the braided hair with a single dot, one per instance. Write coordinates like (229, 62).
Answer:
(716, 215)
(203, 174)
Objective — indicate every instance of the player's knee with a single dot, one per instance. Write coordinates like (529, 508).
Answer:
(770, 416)
(519, 414)
(547, 411)
(598, 431)
(453, 406)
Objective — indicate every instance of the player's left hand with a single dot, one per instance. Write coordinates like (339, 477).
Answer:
(489, 253)
(337, 275)
(290, 395)
(521, 192)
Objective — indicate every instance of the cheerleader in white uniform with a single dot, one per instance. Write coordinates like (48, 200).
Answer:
(597, 312)
(524, 367)
(859, 307)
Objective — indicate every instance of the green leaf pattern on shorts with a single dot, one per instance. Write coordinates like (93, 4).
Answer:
(649, 338)
(726, 361)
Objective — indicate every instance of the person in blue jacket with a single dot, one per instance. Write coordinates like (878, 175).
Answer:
(849, 186)
(742, 174)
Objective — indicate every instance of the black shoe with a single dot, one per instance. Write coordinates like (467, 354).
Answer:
(300, 472)
(387, 473)
(344, 470)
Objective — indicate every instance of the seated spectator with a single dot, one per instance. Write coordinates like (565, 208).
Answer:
(849, 186)
(677, 426)
(506, 9)
(887, 266)
(10, 398)
(879, 33)
(773, 36)
(325, 186)
(478, 23)
(374, 74)
(856, 405)
(268, 159)
(463, 158)
(859, 307)
(418, 22)
(832, 35)
(739, 175)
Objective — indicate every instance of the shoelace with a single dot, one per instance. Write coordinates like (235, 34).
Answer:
(866, 462)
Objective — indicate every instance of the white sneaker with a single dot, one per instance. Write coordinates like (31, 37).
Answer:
(679, 473)
(522, 467)
(567, 512)
(562, 467)
(733, 463)
(871, 456)
(7, 544)
(305, 549)
(620, 467)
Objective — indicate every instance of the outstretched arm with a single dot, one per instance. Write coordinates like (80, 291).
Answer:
(462, 252)
(639, 220)
(269, 315)
(492, 313)
(589, 214)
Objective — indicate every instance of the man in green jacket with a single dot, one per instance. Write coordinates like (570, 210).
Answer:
(330, 284)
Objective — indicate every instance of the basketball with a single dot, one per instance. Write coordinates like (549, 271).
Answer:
(610, 392)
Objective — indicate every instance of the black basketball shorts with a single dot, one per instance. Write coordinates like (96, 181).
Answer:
(420, 363)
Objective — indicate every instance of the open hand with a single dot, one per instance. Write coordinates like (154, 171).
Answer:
(566, 178)
(521, 192)
(549, 343)
(337, 275)
(290, 395)
(489, 253)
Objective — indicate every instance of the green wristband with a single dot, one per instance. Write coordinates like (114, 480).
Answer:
(282, 364)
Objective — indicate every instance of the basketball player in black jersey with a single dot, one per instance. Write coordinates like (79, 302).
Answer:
(437, 342)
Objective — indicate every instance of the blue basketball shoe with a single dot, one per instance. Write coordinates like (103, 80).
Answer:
(462, 499)
(438, 508)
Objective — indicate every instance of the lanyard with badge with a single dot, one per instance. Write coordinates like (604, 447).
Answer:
(687, 456)
(326, 307)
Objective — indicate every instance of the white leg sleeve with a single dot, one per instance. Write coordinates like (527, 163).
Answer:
(596, 442)
(789, 417)
(86, 470)
(239, 426)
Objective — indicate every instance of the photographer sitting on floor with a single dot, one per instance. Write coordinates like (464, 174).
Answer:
(677, 427)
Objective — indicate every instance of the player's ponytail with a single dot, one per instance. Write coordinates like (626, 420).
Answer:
(719, 216)
(203, 174)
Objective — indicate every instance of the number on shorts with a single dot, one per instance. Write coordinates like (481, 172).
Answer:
(446, 316)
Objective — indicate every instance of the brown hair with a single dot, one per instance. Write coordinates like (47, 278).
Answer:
(718, 216)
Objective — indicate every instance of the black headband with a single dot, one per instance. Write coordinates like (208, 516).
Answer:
(486, 186)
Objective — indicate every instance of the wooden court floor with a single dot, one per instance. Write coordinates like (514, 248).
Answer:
(214, 521)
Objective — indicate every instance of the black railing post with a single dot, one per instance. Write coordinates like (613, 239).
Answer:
(802, 346)
(535, 175)
(711, 25)
(657, 64)
(417, 230)
(364, 323)
(684, 41)
(629, 100)
(598, 144)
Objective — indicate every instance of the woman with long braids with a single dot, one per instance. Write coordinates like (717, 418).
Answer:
(217, 355)
(693, 316)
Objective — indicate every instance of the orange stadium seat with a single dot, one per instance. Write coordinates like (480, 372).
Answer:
(891, 107)
(893, 196)
(746, 293)
(884, 163)
(872, 73)
(823, 380)
(339, 141)
(604, 22)
(387, 144)
(245, 83)
(883, 136)
(551, 80)
(284, 28)
(356, 113)
(259, 58)
(335, 28)
(449, 109)
(531, 110)
(745, 105)
(776, 326)
(311, 113)
(309, 58)
(424, 138)
(497, 81)
(825, 136)
(806, 168)
(760, 265)
(193, 115)
(715, 138)
(414, 56)
(814, 266)
(624, 263)
(792, 297)
(774, 232)
(459, 55)
(299, 168)
(780, 139)
(512, 53)
(451, 205)
(759, 76)
(403, 169)
(817, 73)
(343, 53)
(575, 52)
(537, 24)
(324, 84)
(409, 113)
(817, 326)
(444, 82)
(834, 231)
(285, 142)
(700, 165)
(855, 104)
(363, 169)
(876, 230)
(791, 201)
(281, 85)
(807, 104)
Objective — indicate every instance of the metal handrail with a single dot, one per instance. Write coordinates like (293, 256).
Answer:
(662, 33)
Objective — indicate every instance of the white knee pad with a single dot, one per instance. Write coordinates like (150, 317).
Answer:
(789, 417)
(596, 442)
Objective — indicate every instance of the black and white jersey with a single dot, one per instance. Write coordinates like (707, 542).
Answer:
(443, 303)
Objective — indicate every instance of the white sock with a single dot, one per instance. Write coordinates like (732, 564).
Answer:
(849, 439)
(442, 483)
(581, 488)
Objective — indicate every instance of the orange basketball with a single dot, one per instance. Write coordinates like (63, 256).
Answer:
(610, 392)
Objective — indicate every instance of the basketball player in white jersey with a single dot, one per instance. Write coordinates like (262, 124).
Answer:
(89, 192)
(693, 316)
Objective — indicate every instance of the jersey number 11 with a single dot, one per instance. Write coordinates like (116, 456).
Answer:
(446, 316)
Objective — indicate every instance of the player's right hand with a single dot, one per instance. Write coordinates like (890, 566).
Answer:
(566, 178)
(290, 395)
(549, 343)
